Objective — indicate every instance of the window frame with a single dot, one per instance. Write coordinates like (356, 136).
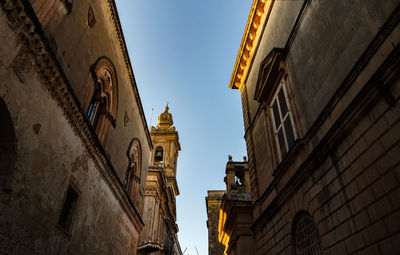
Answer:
(103, 91)
(282, 84)
(273, 71)
(94, 113)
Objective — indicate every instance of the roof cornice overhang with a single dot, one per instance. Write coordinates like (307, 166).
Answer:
(258, 18)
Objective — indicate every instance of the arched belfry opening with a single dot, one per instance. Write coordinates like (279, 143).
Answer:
(7, 147)
(159, 154)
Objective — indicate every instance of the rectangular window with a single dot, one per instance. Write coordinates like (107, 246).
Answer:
(68, 209)
(282, 121)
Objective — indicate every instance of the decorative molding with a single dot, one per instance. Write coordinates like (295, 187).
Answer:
(268, 75)
(151, 246)
(256, 22)
(25, 24)
(153, 191)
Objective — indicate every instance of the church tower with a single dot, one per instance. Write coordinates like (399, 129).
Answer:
(159, 235)
(166, 147)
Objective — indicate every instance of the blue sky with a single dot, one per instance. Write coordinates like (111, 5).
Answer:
(183, 52)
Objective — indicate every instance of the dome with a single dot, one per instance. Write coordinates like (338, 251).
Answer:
(165, 119)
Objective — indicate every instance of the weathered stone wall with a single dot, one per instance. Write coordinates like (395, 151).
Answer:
(213, 202)
(318, 50)
(51, 151)
(343, 169)
(276, 33)
(352, 195)
(78, 46)
(50, 157)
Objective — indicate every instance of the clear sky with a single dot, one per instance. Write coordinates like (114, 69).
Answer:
(183, 52)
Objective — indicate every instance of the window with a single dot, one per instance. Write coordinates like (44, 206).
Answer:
(95, 107)
(133, 172)
(282, 120)
(272, 90)
(129, 176)
(68, 209)
(101, 106)
(306, 235)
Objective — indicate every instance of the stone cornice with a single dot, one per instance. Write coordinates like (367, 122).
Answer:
(23, 21)
(256, 22)
(168, 135)
(122, 44)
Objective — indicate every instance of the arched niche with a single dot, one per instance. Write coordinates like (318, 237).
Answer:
(134, 170)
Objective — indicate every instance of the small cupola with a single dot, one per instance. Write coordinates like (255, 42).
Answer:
(165, 119)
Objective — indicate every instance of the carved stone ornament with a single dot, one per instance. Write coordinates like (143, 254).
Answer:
(22, 65)
(91, 20)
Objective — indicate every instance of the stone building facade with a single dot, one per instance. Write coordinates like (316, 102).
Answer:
(235, 215)
(320, 89)
(75, 147)
(213, 205)
(159, 236)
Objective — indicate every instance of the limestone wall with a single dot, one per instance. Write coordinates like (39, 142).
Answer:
(213, 203)
(352, 195)
(318, 61)
(344, 93)
(54, 147)
(77, 47)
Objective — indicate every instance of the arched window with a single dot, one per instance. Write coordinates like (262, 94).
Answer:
(306, 236)
(133, 173)
(158, 156)
(7, 147)
(102, 102)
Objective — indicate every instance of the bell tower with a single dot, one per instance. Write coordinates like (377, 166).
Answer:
(160, 229)
(166, 147)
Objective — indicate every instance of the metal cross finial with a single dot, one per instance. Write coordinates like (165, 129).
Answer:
(151, 118)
